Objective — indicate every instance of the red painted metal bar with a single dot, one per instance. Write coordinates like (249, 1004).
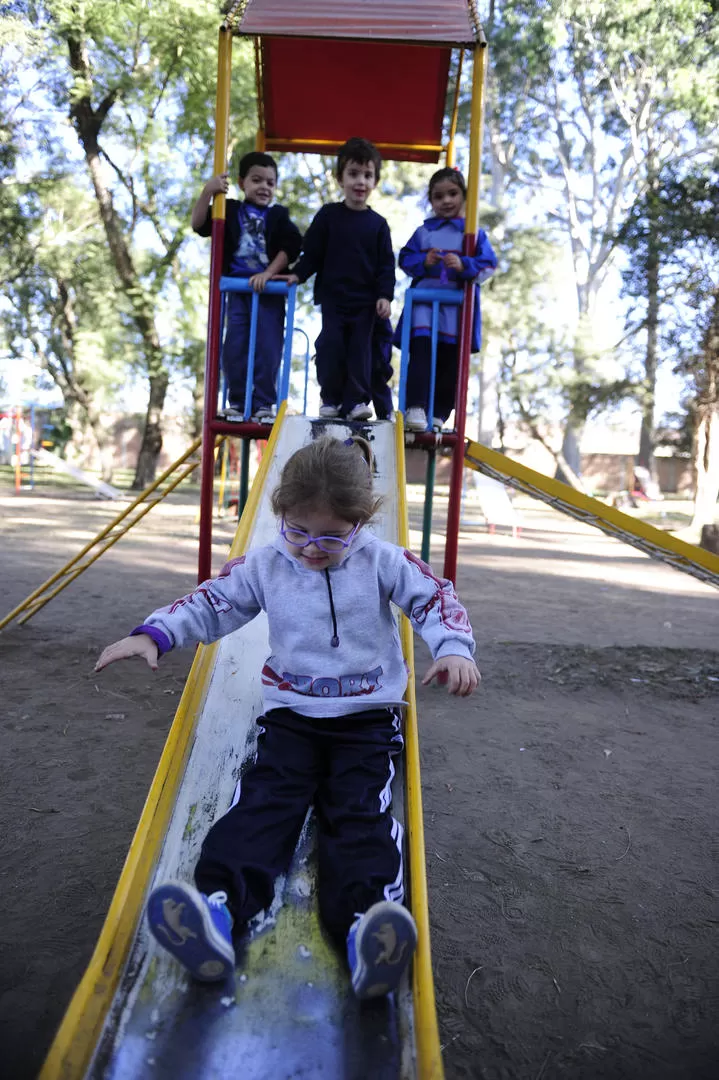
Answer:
(469, 247)
(430, 440)
(209, 426)
(212, 351)
(460, 413)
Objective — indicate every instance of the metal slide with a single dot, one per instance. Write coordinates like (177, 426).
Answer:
(658, 543)
(291, 1012)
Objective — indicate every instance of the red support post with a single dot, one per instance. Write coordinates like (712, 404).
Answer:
(212, 378)
(214, 329)
(469, 247)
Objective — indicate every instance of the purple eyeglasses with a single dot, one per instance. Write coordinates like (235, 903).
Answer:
(329, 544)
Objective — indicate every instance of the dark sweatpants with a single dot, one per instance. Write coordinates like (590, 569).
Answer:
(343, 355)
(268, 348)
(342, 765)
(382, 368)
(419, 371)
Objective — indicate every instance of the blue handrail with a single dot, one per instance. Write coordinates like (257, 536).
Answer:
(305, 335)
(272, 288)
(435, 297)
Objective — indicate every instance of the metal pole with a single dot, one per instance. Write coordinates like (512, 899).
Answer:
(428, 504)
(18, 450)
(214, 325)
(451, 150)
(244, 476)
(465, 337)
(32, 447)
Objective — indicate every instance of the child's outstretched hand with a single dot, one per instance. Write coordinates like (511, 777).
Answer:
(138, 645)
(292, 279)
(463, 676)
(383, 308)
(452, 261)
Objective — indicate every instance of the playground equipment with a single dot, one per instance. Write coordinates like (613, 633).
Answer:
(103, 490)
(16, 442)
(134, 1014)
(657, 543)
(307, 57)
(285, 1022)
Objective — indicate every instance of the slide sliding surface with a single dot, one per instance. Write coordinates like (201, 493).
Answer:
(657, 543)
(291, 1012)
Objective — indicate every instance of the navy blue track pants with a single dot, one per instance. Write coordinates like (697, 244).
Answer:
(344, 355)
(268, 348)
(420, 370)
(343, 766)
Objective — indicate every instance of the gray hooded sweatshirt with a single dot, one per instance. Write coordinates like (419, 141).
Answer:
(335, 645)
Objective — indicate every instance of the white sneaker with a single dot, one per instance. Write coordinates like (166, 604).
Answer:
(437, 424)
(415, 420)
(360, 412)
(329, 412)
(263, 415)
(231, 413)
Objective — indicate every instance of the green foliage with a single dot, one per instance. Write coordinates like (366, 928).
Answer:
(136, 81)
(588, 101)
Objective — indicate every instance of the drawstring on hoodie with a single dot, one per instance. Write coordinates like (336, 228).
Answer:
(334, 641)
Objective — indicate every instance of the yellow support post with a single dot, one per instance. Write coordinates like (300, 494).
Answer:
(222, 115)
(260, 142)
(451, 155)
(476, 134)
(223, 480)
(426, 1030)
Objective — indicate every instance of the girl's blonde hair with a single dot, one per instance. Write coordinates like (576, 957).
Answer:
(329, 473)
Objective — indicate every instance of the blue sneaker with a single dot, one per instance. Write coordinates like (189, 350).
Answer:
(380, 944)
(195, 928)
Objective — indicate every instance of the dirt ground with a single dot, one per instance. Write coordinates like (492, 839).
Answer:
(570, 806)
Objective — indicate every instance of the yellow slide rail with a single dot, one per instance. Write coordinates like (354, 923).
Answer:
(121, 524)
(78, 1035)
(426, 1031)
(658, 543)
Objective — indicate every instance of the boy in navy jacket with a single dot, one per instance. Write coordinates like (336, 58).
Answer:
(348, 246)
(260, 241)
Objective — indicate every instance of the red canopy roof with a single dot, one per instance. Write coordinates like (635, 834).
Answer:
(330, 69)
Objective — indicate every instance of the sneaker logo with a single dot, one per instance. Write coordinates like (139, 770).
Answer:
(391, 951)
(175, 932)
(210, 969)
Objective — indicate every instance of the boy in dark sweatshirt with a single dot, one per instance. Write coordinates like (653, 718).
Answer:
(348, 247)
(260, 241)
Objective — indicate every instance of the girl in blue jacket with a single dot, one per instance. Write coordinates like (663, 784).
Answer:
(333, 686)
(433, 260)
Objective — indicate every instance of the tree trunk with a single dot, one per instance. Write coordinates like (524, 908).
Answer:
(152, 435)
(88, 121)
(647, 435)
(706, 438)
(198, 403)
(706, 467)
(576, 419)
